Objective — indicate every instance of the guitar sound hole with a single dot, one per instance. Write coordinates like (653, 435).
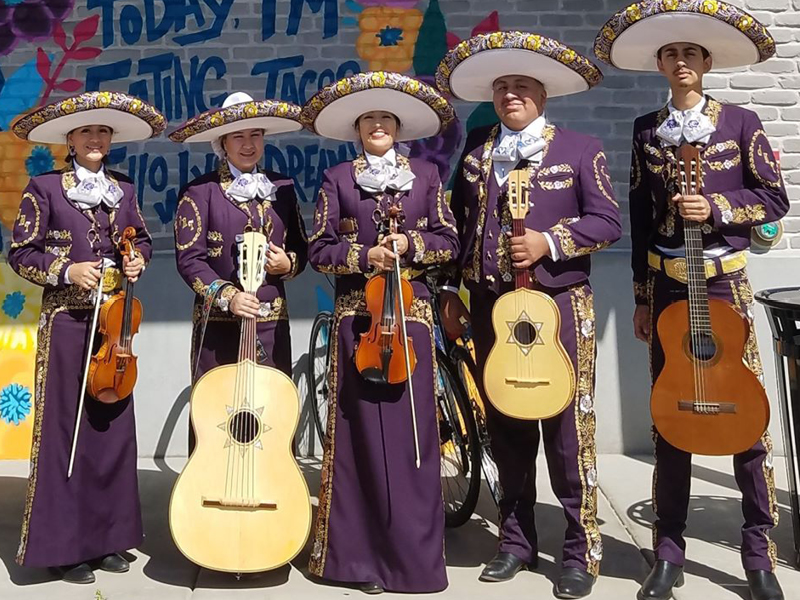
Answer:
(525, 333)
(703, 346)
(244, 427)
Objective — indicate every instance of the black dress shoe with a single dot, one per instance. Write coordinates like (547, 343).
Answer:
(81, 573)
(504, 566)
(574, 583)
(659, 583)
(371, 588)
(764, 586)
(114, 563)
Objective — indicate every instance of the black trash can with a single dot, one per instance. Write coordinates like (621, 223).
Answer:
(783, 309)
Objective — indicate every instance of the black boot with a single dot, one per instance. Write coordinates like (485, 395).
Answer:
(81, 573)
(504, 566)
(764, 586)
(574, 583)
(371, 588)
(114, 563)
(659, 583)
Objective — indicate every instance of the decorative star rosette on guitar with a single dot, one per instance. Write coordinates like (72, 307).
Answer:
(239, 112)
(130, 118)
(469, 70)
(632, 37)
(332, 112)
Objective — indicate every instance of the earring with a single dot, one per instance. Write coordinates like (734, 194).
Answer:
(72, 150)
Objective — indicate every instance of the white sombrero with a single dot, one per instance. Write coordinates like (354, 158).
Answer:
(238, 112)
(130, 118)
(632, 37)
(333, 111)
(469, 70)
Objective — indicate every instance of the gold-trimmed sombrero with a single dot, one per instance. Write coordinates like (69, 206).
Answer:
(632, 37)
(238, 112)
(332, 112)
(469, 70)
(130, 118)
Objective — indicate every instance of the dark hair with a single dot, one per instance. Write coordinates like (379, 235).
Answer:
(703, 51)
(396, 120)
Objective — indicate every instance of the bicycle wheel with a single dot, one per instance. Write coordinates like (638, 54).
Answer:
(460, 450)
(467, 370)
(319, 359)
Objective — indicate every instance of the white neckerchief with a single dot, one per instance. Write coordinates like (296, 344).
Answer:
(382, 172)
(93, 188)
(248, 186)
(513, 146)
(689, 125)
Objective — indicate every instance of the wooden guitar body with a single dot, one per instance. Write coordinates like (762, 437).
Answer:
(733, 412)
(528, 373)
(241, 504)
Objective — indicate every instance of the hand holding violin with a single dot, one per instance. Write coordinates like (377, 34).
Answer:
(133, 268)
(381, 257)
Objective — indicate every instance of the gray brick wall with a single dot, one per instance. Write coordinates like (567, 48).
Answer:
(324, 46)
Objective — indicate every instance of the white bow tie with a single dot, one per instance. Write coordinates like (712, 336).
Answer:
(691, 126)
(248, 186)
(516, 146)
(94, 189)
(376, 178)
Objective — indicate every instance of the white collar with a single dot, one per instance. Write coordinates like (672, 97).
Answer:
(236, 172)
(376, 161)
(82, 172)
(697, 108)
(535, 128)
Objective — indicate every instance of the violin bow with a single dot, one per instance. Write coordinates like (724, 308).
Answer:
(89, 346)
(405, 349)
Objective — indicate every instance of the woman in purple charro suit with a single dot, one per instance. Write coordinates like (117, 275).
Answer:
(217, 207)
(380, 522)
(67, 228)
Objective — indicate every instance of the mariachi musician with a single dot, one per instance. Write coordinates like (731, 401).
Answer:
(574, 214)
(742, 188)
(65, 240)
(380, 522)
(217, 207)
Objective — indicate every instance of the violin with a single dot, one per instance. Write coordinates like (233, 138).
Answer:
(381, 356)
(113, 370)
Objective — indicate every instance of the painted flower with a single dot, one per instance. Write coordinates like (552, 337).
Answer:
(710, 7)
(388, 36)
(15, 403)
(40, 161)
(26, 20)
(19, 308)
(745, 22)
(634, 12)
(670, 4)
(68, 106)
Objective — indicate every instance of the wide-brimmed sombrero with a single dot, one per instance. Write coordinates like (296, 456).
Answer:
(469, 70)
(130, 118)
(238, 112)
(632, 37)
(332, 112)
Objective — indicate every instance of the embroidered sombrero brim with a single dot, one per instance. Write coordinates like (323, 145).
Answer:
(632, 37)
(333, 111)
(130, 118)
(469, 70)
(272, 116)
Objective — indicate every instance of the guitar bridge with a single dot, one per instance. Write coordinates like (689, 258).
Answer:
(707, 408)
(238, 504)
(526, 381)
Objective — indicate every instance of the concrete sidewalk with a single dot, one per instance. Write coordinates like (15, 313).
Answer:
(159, 571)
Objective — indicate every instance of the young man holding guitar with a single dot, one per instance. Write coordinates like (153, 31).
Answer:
(571, 212)
(740, 187)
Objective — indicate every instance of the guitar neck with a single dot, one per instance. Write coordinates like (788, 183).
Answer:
(522, 278)
(699, 319)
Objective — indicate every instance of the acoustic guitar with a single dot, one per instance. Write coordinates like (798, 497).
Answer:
(241, 504)
(705, 400)
(528, 373)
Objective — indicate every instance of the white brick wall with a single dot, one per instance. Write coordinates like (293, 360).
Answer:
(770, 89)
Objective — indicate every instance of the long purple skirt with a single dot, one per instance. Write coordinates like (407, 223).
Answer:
(380, 519)
(96, 512)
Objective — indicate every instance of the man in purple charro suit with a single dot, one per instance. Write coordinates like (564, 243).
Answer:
(741, 188)
(574, 214)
